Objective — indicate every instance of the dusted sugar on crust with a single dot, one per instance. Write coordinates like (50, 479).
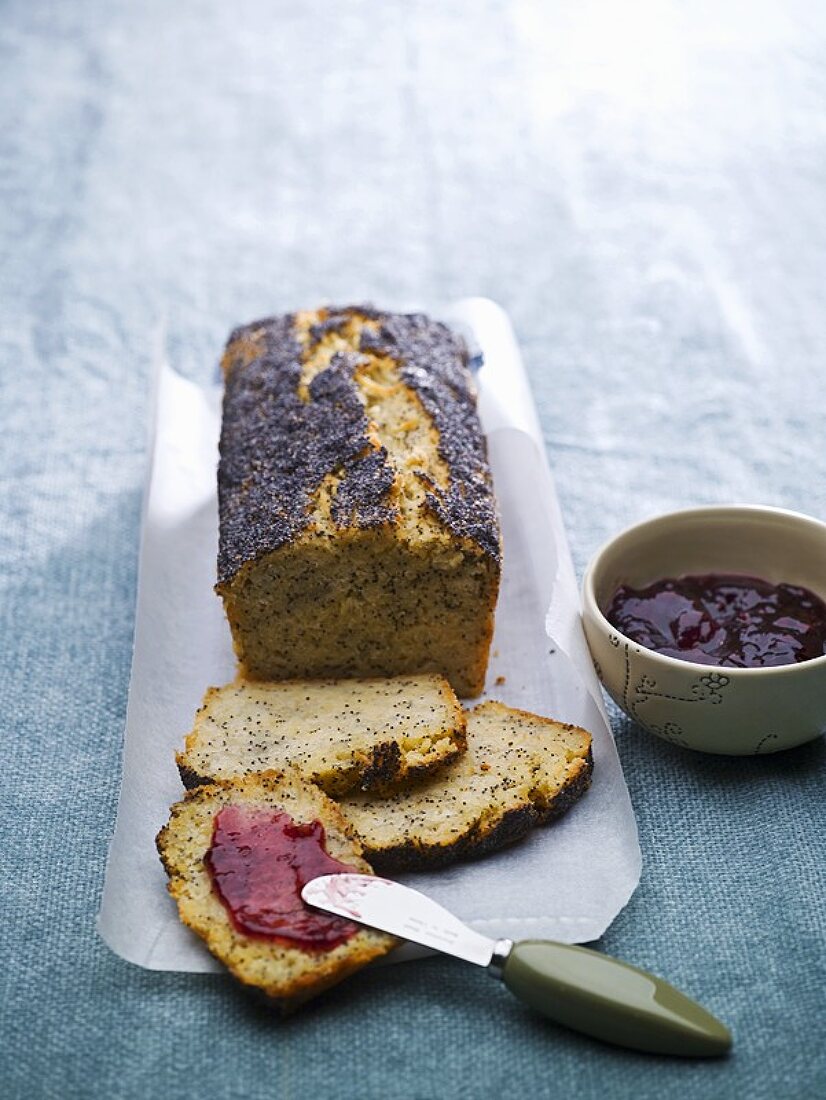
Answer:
(343, 735)
(519, 771)
(358, 529)
(288, 975)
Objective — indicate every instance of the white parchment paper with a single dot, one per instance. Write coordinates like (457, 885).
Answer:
(565, 882)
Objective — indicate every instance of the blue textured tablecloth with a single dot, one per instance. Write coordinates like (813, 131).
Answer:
(642, 187)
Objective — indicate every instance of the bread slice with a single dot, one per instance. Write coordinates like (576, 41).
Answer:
(287, 974)
(341, 734)
(519, 771)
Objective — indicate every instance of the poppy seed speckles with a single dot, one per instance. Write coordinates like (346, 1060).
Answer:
(276, 449)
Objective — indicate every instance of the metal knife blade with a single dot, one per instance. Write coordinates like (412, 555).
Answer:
(393, 908)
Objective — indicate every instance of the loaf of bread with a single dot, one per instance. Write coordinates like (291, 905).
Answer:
(519, 771)
(341, 734)
(358, 531)
(286, 972)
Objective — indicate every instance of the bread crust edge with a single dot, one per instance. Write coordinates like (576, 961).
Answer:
(479, 841)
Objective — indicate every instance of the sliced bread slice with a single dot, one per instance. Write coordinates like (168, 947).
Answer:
(519, 770)
(288, 974)
(344, 735)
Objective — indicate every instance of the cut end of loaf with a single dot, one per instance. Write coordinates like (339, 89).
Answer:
(365, 605)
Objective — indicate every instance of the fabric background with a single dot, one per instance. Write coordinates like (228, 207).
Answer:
(642, 187)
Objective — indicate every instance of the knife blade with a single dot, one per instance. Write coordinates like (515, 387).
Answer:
(574, 986)
(402, 912)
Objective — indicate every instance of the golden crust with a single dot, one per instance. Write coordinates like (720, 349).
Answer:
(288, 976)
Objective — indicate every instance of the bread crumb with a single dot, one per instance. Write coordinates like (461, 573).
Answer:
(499, 680)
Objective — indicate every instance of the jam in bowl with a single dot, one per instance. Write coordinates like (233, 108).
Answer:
(723, 619)
(708, 627)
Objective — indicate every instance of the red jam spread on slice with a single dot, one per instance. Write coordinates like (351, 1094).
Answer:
(741, 622)
(259, 860)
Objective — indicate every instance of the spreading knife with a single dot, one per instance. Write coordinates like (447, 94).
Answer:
(582, 989)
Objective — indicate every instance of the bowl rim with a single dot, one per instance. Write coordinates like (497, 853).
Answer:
(589, 599)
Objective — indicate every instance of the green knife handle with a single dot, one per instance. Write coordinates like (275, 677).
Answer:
(609, 999)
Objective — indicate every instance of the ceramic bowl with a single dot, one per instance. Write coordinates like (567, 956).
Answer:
(735, 711)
